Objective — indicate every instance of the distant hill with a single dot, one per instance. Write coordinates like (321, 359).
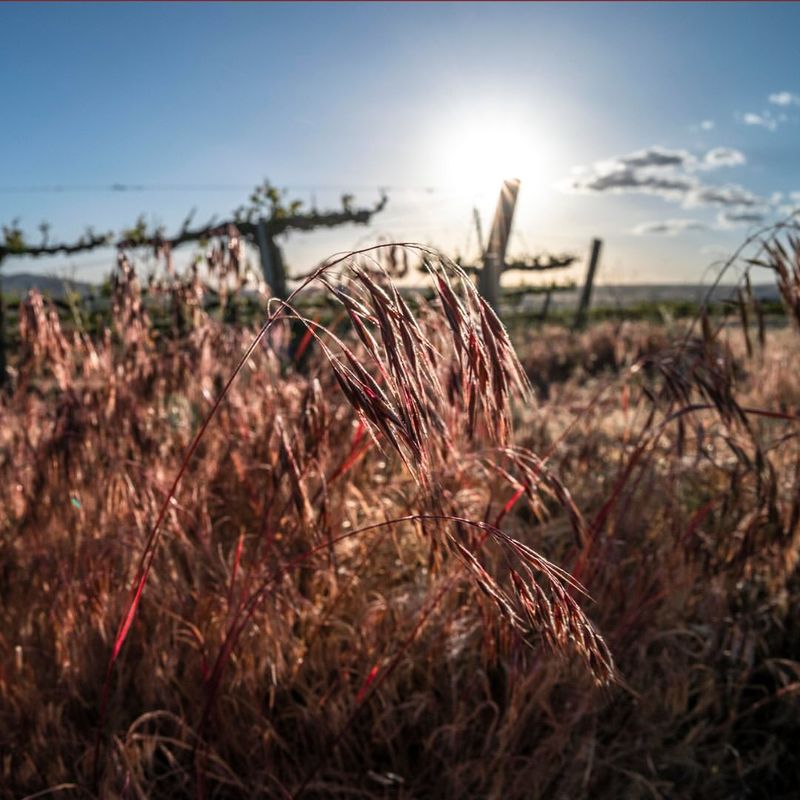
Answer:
(603, 296)
(611, 295)
(21, 282)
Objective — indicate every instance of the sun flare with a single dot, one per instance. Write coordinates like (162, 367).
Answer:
(481, 153)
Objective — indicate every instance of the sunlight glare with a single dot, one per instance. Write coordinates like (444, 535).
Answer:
(481, 153)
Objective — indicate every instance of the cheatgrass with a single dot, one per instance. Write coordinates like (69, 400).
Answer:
(392, 553)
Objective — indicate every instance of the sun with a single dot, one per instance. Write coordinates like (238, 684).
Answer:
(481, 152)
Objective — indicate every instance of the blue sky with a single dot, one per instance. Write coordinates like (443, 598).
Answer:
(666, 129)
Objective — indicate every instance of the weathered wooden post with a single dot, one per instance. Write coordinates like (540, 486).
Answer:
(271, 260)
(586, 293)
(495, 255)
(546, 306)
(278, 270)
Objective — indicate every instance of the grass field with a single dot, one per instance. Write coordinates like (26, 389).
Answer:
(400, 562)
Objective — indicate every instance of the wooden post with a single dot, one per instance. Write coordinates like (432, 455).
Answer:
(489, 281)
(263, 248)
(495, 255)
(278, 270)
(271, 260)
(586, 293)
(546, 306)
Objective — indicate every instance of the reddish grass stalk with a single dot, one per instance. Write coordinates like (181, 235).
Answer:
(148, 554)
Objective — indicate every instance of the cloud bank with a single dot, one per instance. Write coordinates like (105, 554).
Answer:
(677, 176)
(733, 219)
(671, 174)
(669, 227)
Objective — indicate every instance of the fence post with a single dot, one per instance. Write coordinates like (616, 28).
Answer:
(495, 256)
(546, 306)
(586, 293)
(489, 281)
(271, 261)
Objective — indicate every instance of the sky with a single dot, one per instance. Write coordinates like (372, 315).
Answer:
(667, 130)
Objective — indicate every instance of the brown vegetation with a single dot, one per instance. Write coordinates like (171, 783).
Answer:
(372, 576)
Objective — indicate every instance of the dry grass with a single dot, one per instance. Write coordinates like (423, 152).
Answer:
(367, 581)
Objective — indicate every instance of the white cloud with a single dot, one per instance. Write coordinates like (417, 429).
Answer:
(785, 99)
(666, 173)
(736, 218)
(624, 179)
(669, 227)
(727, 219)
(656, 157)
(730, 195)
(723, 157)
(762, 120)
(707, 125)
